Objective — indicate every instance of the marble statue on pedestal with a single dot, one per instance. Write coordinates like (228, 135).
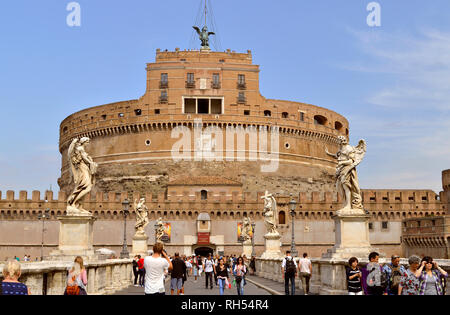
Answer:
(141, 217)
(246, 229)
(160, 230)
(83, 170)
(270, 213)
(347, 184)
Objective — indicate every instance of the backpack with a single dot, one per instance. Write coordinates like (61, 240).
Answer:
(395, 278)
(383, 278)
(290, 267)
(73, 289)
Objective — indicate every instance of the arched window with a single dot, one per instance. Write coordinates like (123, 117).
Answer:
(267, 113)
(338, 125)
(285, 115)
(204, 194)
(320, 120)
(281, 217)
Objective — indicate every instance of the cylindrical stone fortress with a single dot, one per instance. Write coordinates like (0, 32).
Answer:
(133, 141)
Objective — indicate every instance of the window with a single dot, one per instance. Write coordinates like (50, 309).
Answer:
(385, 198)
(372, 198)
(157, 111)
(164, 84)
(241, 81)
(267, 113)
(216, 81)
(203, 106)
(338, 125)
(104, 117)
(384, 225)
(138, 112)
(204, 195)
(397, 199)
(65, 130)
(164, 97)
(190, 106)
(246, 112)
(411, 198)
(216, 106)
(121, 115)
(370, 226)
(285, 115)
(320, 120)
(424, 198)
(302, 116)
(281, 217)
(241, 97)
(190, 83)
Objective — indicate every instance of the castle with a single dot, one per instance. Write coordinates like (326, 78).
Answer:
(210, 102)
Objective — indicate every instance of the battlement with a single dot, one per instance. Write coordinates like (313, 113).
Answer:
(389, 204)
(206, 56)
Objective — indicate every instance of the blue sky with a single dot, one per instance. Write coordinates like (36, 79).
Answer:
(391, 82)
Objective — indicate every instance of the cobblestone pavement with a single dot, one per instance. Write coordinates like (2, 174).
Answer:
(192, 287)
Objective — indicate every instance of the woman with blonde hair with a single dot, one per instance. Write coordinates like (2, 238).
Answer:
(11, 284)
(77, 278)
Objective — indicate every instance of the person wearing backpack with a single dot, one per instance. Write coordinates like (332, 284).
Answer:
(289, 272)
(77, 279)
(394, 272)
(374, 280)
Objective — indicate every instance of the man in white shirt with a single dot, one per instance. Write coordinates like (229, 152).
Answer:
(208, 264)
(305, 269)
(289, 271)
(155, 266)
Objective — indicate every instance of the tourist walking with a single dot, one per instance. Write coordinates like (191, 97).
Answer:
(10, 284)
(394, 272)
(177, 275)
(373, 278)
(77, 278)
(200, 265)
(305, 272)
(430, 276)
(209, 270)
(253, 265)
(195, 268)
(239, 272)
(409, 283)
(135, 270)
(222, 276)
(289, 272)
(155, 267)
(141, 270)
(354, 276)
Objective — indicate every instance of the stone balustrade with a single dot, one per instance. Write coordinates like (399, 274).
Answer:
(50, 277)
(328, 276)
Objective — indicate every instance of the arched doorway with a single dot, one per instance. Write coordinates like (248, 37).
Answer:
(203, 251)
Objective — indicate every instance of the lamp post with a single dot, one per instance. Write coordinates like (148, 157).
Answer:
(292, 206)
(43, 217)
(124, 253)
(253, 240)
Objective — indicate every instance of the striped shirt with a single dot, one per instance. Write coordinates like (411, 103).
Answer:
(354, 284)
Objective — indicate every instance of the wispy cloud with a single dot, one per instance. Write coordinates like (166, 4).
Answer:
(419, 65)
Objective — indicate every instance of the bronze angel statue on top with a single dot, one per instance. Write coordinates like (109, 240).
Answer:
(347, 184)
(204, 36)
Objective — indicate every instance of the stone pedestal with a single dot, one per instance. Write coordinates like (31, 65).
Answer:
(76, 238)
(273, 247)
(247, 249)
(351, 236)
(140, 246)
